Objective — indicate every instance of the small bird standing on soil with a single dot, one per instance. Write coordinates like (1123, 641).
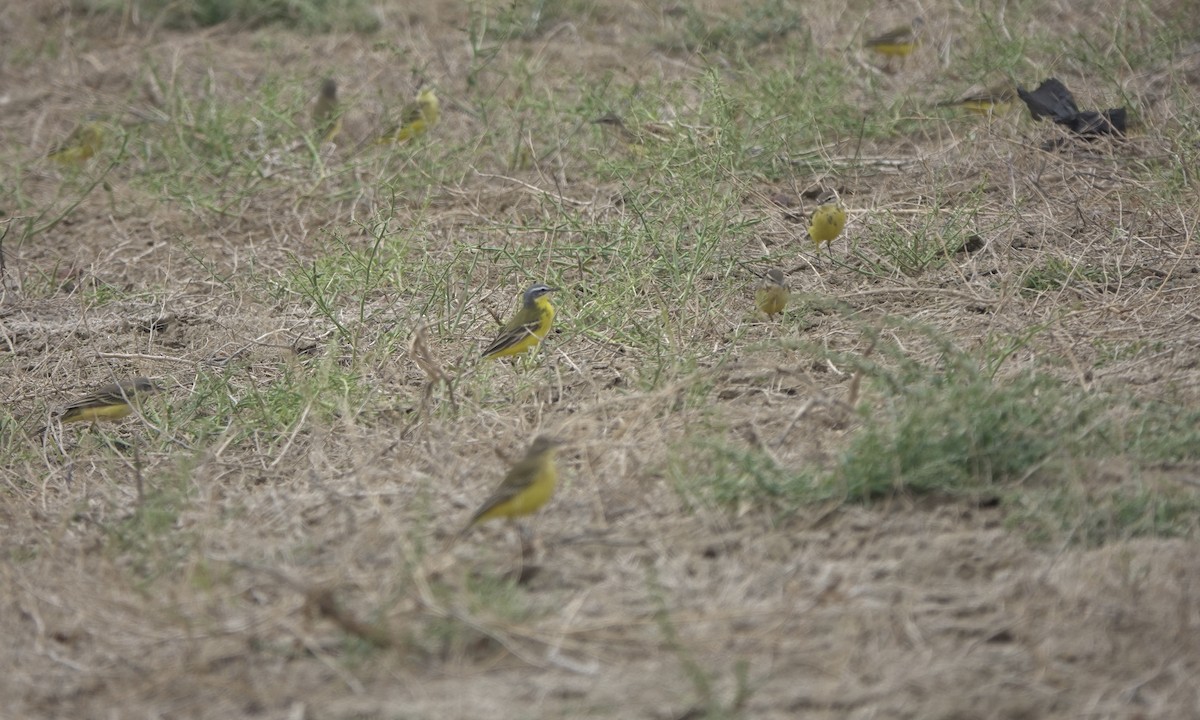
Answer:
(111, 402)
(527, 327)
(415, 119)
(827, 222)
(772, 295)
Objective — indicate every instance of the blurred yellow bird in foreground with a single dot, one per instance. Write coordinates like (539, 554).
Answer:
(84, 142)
(111, 402)
(525, 489)
(772, 295)
(326, 115)
(527, 328)
(991, 101)
(897, 43)
(827, 223)
(416, 118)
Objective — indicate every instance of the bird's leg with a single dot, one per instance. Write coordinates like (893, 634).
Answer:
(520, 566)
(529, 568)
(528, 548)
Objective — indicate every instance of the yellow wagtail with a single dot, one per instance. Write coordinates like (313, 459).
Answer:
(527, 328)
(326, 116)
(111, 402)
(415, 119)
(772, 295)
(525, 489)
(991, 101)
(898, 42)
(83, 142)
(827, 222)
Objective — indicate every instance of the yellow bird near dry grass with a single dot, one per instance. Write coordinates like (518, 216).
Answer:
(111, 402)
(326, 115)
(415, 119)
(527, 327)
(528, 485)
(991, 101)
(771, 297)
(897, 43)
(827, 222)
(84, 142)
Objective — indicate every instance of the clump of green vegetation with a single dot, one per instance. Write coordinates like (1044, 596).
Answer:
(1159, 432)
(928, 246)
(953, 430)
(1094, 517)
(1057, 273)
(958, 432)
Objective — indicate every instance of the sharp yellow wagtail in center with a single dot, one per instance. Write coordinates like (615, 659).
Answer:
(772, 295)
(527, 328)
(111, 402)
(415, 119)
(528, 485)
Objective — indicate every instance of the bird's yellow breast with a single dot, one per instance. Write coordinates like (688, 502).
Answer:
(894, 49)
(531, 334)
(985, 106)
(529, 500)
(546, 311)
(116, 411)
(771, 299)
(827, 223)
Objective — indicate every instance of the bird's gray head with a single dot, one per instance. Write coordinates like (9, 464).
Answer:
(145, 385)
(541, 444)
(535, 292)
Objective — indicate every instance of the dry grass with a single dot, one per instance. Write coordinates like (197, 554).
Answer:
(957, 479)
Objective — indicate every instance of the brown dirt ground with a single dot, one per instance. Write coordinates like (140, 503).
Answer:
(929, 610)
